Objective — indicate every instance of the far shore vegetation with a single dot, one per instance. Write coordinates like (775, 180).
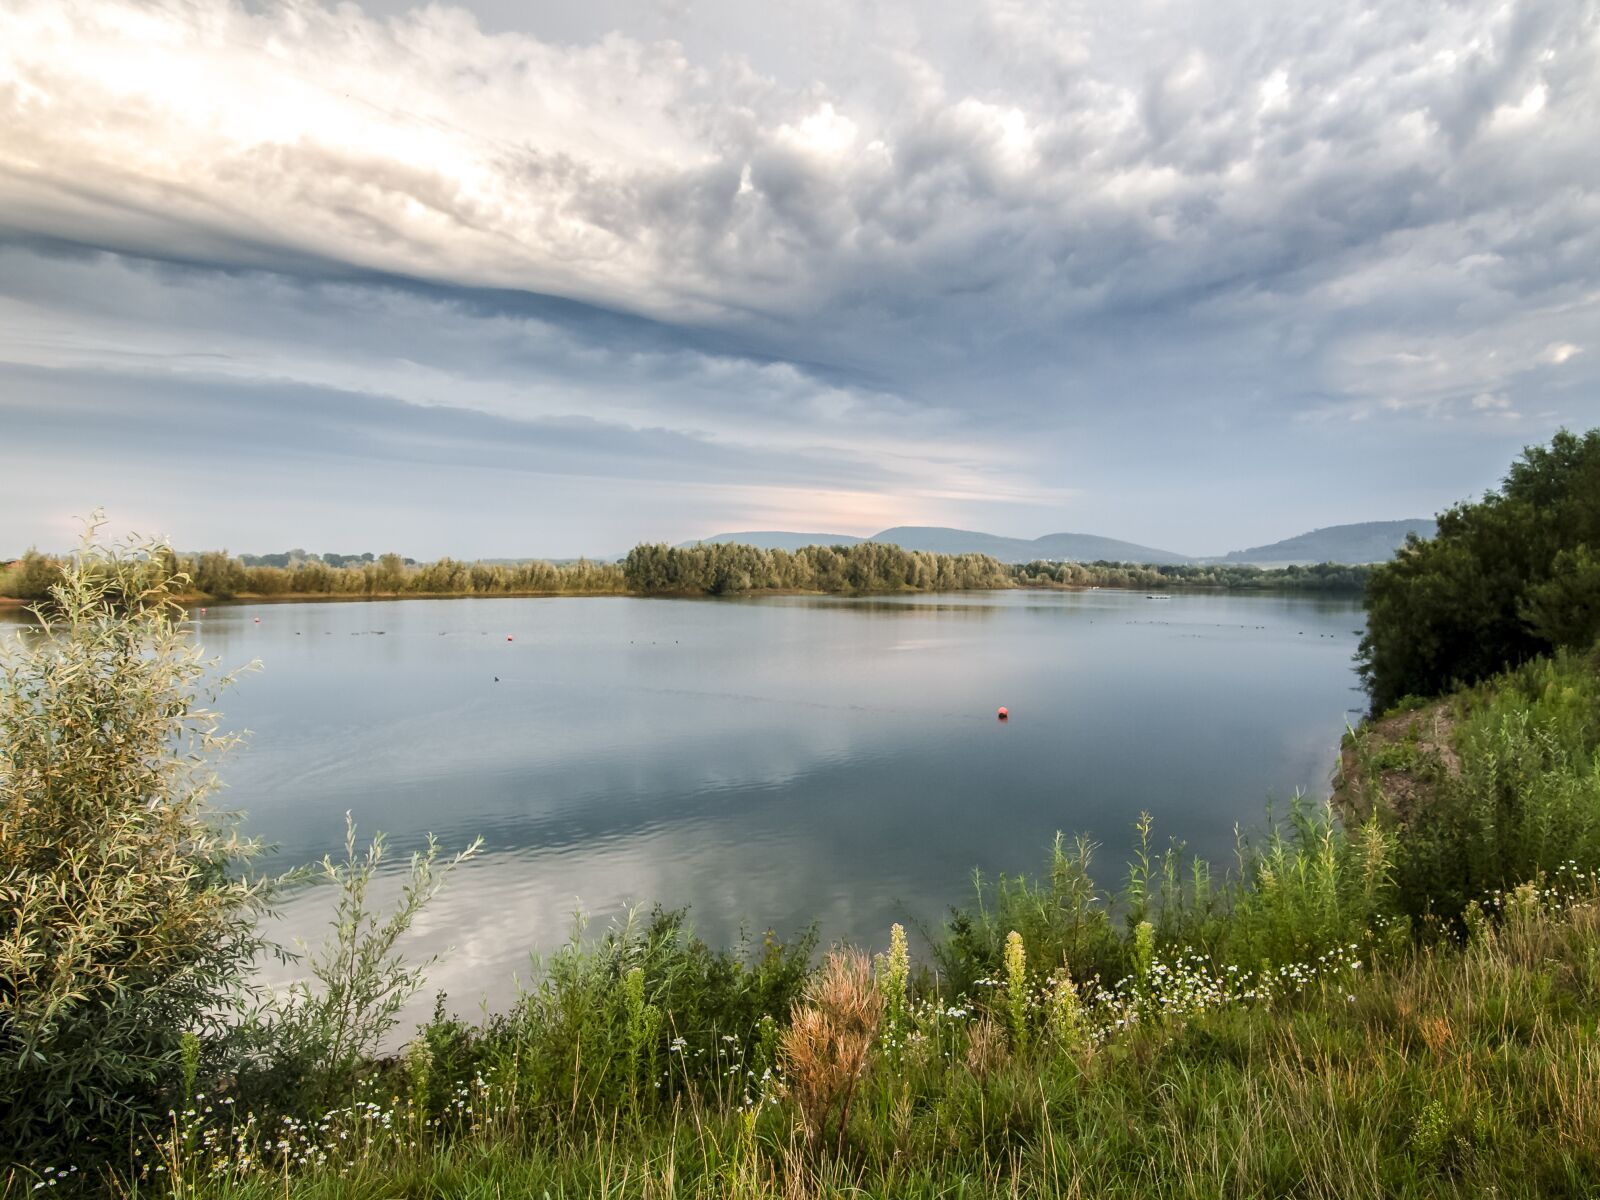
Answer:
(649, 570)
(1392, 993)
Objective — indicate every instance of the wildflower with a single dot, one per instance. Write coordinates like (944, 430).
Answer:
(1016, 961)
(894, 974)
(1065, 1015)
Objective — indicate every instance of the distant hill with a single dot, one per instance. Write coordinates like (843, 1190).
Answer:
(1079, 547)
(1366, 542)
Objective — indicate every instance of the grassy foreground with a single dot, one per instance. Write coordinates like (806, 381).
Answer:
(1447, 1072)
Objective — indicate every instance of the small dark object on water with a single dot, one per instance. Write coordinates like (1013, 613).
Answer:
(1003, 715)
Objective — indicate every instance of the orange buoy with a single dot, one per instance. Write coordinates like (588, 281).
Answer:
(1003, 714)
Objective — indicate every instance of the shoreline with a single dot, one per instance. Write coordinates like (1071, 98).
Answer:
(201, 599)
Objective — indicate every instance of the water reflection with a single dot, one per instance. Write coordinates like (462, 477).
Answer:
(768, 761)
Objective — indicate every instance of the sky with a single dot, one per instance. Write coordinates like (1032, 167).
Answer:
(510, 278)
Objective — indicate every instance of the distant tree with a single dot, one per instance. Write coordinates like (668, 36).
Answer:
(391, 573)
(219, 574)
(31, 577)
(727, 568)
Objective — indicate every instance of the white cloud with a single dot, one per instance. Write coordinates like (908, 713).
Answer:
(622, 172)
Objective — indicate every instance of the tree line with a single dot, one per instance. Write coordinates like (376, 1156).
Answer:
(706, 569)
(723, 568)
(1321, 577)
(221, 576)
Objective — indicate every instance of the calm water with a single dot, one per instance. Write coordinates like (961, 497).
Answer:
(765, 762)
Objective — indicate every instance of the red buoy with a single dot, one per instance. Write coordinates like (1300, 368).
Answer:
(508, 637)
(258, 620)
(1003, 714)
(202, 612)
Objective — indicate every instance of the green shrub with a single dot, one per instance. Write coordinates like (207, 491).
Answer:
(1525, 799)
(311, 1045)
(1306, 888)
(123, 927)
(644, 1014)
(1064, 920)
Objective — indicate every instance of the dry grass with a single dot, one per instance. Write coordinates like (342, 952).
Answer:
(986, 1048)
(824, 1050)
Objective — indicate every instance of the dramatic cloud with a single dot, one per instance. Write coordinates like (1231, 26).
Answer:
(1196, 276)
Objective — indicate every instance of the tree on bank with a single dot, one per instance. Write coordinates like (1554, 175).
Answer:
(30, 577)
(725, 568)
(124, 927)
(128, 927)
(1506, 578)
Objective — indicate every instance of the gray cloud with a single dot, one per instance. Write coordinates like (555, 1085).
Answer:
(1015, 264)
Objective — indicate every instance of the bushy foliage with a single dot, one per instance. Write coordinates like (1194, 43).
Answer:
(1299, 890)
(1065, 917)
(724, 567)
(1506, 578)
(30, 577)
(122, 926)
(1520, 796)
(1336, 578)
(218, 575)
(309, 1046)
(712, 569)
(628, 1022)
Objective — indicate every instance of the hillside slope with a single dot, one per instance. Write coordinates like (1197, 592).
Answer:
(936, 539)
(1364, 542)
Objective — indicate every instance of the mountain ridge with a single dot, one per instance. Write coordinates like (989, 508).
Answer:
(1364, 541)
(1358, 542)
(939, 539)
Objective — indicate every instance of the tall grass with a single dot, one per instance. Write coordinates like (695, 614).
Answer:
(1305, 887)
(1441, 1071)
(1511, 788)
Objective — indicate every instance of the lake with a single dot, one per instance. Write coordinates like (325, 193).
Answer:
(766, 761)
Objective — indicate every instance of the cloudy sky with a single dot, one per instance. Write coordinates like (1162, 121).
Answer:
(544, 278)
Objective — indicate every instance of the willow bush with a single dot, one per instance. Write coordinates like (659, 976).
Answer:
(125, 932)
